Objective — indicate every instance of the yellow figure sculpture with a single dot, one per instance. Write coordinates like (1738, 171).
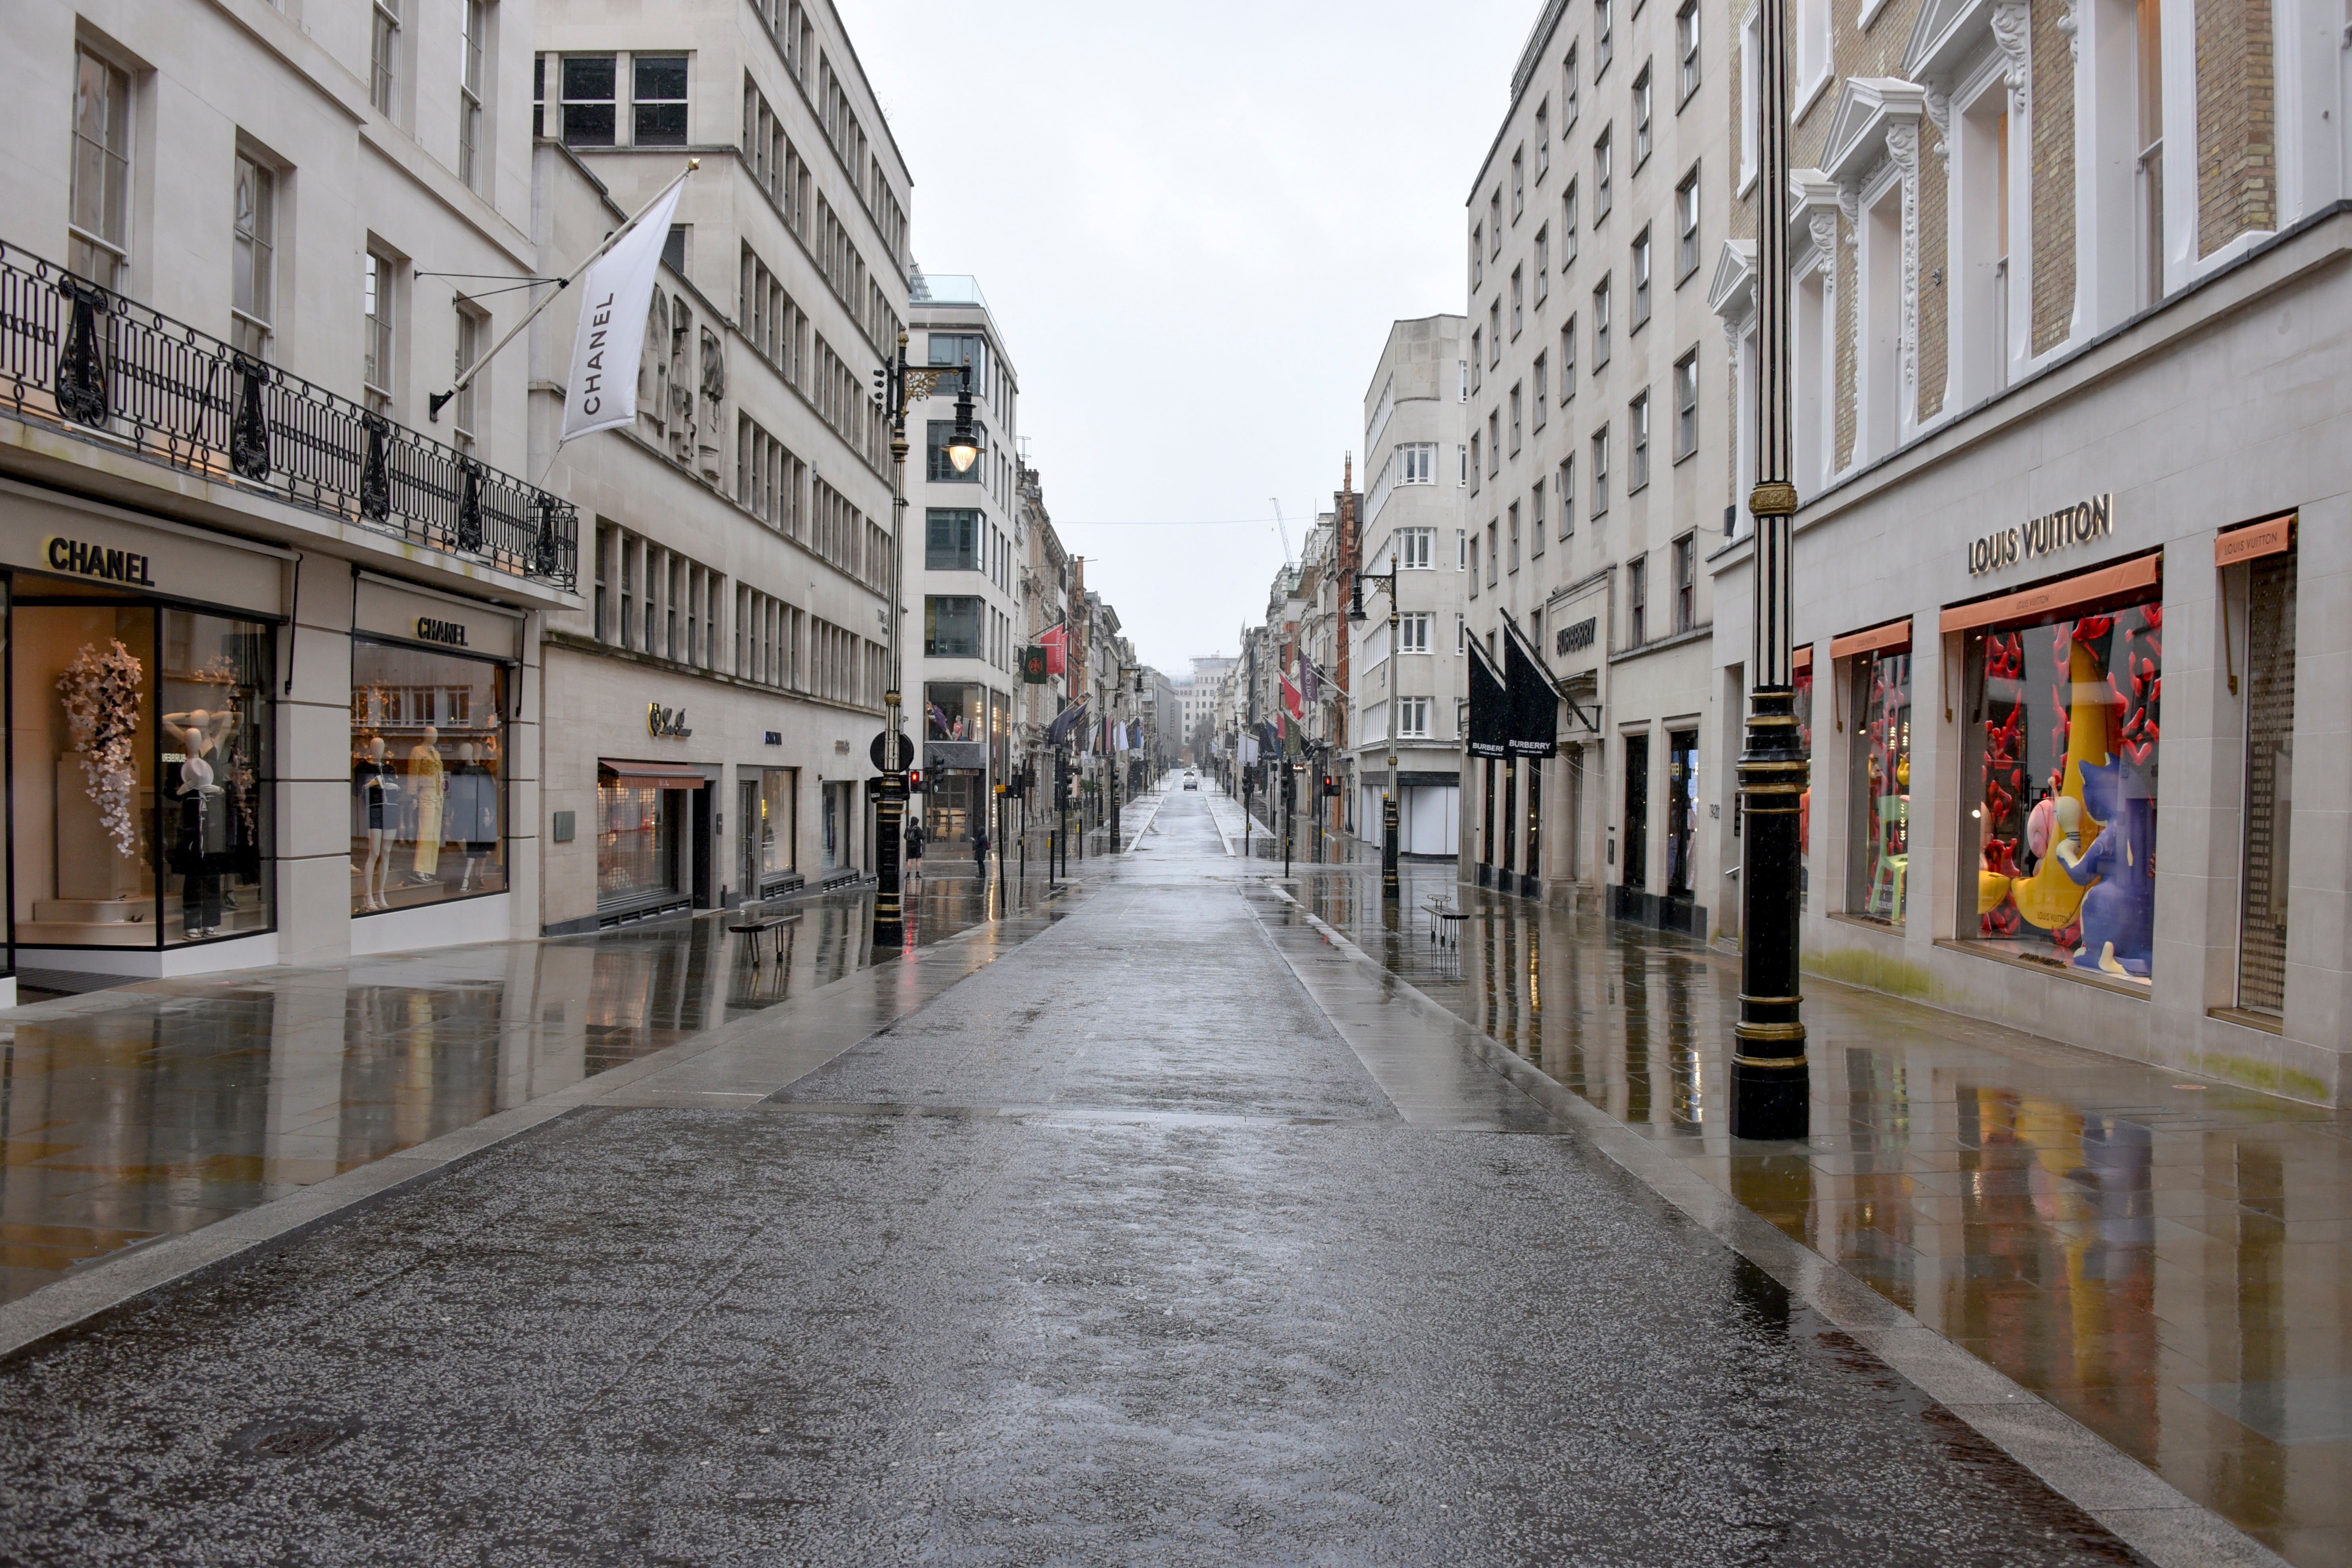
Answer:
(429, 782)
(2050, 898)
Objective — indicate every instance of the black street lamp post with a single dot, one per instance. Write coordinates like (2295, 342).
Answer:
(900, 384)
(1389, 885)
(1770, 1083)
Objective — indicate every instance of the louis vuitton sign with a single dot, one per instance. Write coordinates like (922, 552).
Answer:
(2048, 534)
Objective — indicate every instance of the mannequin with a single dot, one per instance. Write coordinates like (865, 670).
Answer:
(430, 782)
(203, 829)
(379, 791)
(473, 810)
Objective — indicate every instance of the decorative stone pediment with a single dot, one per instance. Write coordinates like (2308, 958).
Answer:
(1876, 117)
(1813, 204)
(1949, 36)
(1734, 282)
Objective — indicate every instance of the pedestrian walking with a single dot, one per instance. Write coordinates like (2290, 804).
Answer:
(979, 848)
(914, 845)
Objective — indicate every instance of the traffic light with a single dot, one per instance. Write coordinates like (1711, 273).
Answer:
(1330, 784)
(914, 781)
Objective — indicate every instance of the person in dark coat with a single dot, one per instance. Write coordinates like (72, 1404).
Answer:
(914, 843)
(979, 848)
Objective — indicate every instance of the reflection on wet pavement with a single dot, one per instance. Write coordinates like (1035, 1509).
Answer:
(2168, 1261)
(151, 1109)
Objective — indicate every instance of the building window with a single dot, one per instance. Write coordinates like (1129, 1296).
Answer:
(1477, 356)
(1462, 464)
(953, 539)
(589, 117)
(1685, 582)
(1686, 41)
(1475, 441)
(1601, 166)
(1567, 360)
(383, 56)
(1413, 632)
(2270, 758)
(1641, 278)
(952, 625)
(98, 242)
(1494, 554)
(1461, 633)
(253, 254)
(1536, 520)
(1417, 463)
(377, 304)
(937, 466)
(1564, 486)
(1686, 226)
(1569, 98)
(539, 95)
(1878, 760)
(1601, 325)
(1493, 441)
(1518, 302)
(1514, 422)
(1512, 518)
(1600, 471)
(2058, 726)
(1473, 568)
(1461, 550)
(658, 98)
(1543, 264)
(1542, 401)
(1603, 47)
(1642, 117)
(470, 324)
(1639, 413)
(1686, 405)
(1495, 222)
(1518, 184)
(1543, 141)
(1412, 718)
(428, 796)
(1477, 255)
(1414, 548)
(477, 15)
(1637, 601)
(1494, 334)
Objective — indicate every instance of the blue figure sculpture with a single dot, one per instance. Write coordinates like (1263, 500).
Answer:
(2119, 912)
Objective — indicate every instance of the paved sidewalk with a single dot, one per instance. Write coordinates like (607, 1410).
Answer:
(2167, 1260)
(1172, 1234)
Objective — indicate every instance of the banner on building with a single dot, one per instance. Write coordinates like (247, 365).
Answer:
(1056, 641)
(1490, 707)
(1534, 703)
(615, 295)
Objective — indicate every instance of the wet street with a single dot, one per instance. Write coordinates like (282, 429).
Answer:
(1184, 1217)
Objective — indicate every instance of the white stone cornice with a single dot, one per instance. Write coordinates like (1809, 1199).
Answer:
(2012, 23)
(1730, 290)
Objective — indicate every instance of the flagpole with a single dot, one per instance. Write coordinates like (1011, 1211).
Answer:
(435, 402)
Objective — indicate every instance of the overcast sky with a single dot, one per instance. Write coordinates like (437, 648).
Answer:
(1193, 225)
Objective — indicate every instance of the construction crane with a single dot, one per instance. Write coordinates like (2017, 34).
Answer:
(1286, 530)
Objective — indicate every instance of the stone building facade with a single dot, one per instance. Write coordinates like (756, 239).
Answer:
(2071, 303)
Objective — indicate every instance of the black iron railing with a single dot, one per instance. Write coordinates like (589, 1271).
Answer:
(85, 359)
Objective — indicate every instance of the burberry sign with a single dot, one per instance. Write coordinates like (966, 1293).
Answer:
(2045, 535)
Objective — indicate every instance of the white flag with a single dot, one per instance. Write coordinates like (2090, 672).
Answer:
(614, 296)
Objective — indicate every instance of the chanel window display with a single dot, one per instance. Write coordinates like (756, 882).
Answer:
(428, 802)
(140, 780)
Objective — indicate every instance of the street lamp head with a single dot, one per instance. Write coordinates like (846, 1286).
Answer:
(963, 445)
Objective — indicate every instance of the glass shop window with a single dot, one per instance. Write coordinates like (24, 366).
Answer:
(142, 777)
(2060, 727)
(639, 825)
(2270, 778)
(952, 540)
(1879, 792)
(428, 777)
(955, 712)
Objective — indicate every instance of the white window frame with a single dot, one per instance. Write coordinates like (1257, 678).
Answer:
(473, 22)
(1412, 718)
(88, 247)
(1641, 105)
(1686, 405)
(253, 251)
(1413, 632)
(1417, 463)
(385, 38)
(1415, 548)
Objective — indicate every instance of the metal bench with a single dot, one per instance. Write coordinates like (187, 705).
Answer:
(1446, 923)
(757, 929)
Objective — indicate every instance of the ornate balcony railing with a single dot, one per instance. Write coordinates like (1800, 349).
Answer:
(85, 359)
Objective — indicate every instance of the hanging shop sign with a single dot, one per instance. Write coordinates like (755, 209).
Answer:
(2045, 535)
(667, 722)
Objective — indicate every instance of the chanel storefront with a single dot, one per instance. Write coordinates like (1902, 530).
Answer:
(180, 802)
(2079, 700)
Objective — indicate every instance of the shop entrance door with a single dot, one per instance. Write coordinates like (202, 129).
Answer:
(747, 839)
(1637, 811)
(1682, 806)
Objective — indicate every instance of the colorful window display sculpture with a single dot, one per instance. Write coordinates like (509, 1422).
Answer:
(2065, 824)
